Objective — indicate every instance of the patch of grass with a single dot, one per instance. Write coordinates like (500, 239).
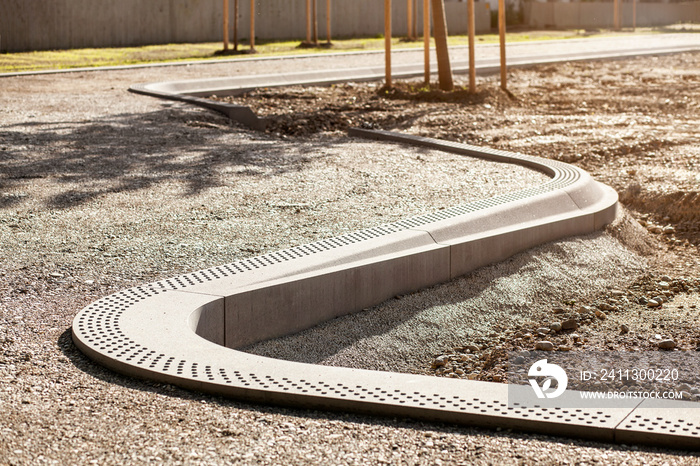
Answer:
(115, 56)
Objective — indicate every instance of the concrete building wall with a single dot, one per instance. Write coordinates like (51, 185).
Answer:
(62, 24)
(600, 14)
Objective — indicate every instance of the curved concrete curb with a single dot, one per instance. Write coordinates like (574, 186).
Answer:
(183, 330)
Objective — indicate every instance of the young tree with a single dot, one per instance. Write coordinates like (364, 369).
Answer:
(445, 81)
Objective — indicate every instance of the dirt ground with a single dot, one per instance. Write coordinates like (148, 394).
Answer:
(633, 124)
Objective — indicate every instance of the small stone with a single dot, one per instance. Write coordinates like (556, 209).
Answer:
(497, 378)
(665, 278)
(601, 315)
(654, 229)
(667, 344)
(668, 230)
(472, 348)
(564, 348)
(575, 336)
(440, 361)
(544, 345)
(519, 360)
(555, 326)
(660, 299)
(643, 300)
(605, 307)
(653, 303)
(664, 285)
(542, 330)
(617, 293)
(570, 324)
(583, 309)
(56, 275)
(624, 328)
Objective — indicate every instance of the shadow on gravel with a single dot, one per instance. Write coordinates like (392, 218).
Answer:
(134, 152)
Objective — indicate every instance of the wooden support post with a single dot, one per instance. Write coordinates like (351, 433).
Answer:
(471, 27)
(328, 20)
(308, 21)
(225, 25)
(502, 40)
(235, 25)
(634, 15)
(426, 39)
(314, 12)
(409, 16)
(252, 25)
(443, 55)
(414, 26)
(387, 42)
(616, 14)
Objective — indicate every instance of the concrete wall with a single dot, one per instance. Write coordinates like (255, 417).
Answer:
(600, 14)
(62, 24)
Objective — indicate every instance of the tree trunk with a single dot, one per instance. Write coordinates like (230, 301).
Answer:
(443, 56)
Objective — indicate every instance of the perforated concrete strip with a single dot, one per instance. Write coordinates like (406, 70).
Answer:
(184, 330)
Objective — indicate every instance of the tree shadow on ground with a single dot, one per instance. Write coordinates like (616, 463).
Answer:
(134, 152)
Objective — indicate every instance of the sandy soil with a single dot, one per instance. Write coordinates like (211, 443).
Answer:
(102, 190)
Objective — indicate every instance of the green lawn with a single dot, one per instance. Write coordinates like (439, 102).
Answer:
(112, 56)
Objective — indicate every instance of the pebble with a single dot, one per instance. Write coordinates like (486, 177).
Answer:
(570, 324)
(617, 293)
(664, 285)
(440, 361)
(605, 307)
(601, 315)
(653, 303)
(667, 344)
(555, 326)
(668, 230)
(654, 229)
(472, 348)
(583, 309)
(564, 348)
(558, 310)
(543, 330)
(624, 328)
(544, 345)
(575, 336)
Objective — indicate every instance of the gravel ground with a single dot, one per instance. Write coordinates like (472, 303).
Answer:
(88, 178)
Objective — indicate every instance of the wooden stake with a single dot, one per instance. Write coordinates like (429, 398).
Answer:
(472, 65)
(634, 14)
(387, 42)
(225, 25)
(409, 15)
(414, 26)
(502, 40)
(314, 12)
(252, 25)
(328, 20)
(426, 39)
(308, 21)
(616, 14)
(235, 25)
(443, 55)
